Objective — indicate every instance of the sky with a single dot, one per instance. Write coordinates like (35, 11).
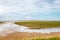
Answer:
(29, 9)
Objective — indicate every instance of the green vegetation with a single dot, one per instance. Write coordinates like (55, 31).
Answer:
(40, 24)
(53, 38)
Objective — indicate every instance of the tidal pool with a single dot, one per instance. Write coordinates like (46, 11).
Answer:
(11, 27)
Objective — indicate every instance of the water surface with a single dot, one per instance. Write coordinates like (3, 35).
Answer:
(18, 28)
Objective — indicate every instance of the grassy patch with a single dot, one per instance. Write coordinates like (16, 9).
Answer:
(53, 38)
(40, 24)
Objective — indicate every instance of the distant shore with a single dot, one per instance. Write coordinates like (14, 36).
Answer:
(40, 24)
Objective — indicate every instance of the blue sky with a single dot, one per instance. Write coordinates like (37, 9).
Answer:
(29, 9)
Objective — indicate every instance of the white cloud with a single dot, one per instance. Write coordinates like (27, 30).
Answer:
(27, 6)
(19, 6)
(27, 17)
(3, 10)
(6, 10)
(57, 4)
(25, 13)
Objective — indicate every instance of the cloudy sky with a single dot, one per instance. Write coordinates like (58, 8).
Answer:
(29, 9)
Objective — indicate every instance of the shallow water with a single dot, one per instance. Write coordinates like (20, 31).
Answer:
(13, 27)
(49, 30)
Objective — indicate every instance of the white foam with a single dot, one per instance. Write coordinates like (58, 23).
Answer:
(7, 28)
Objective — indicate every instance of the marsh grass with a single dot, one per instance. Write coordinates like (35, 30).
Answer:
(40, 24)
(53, 38)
